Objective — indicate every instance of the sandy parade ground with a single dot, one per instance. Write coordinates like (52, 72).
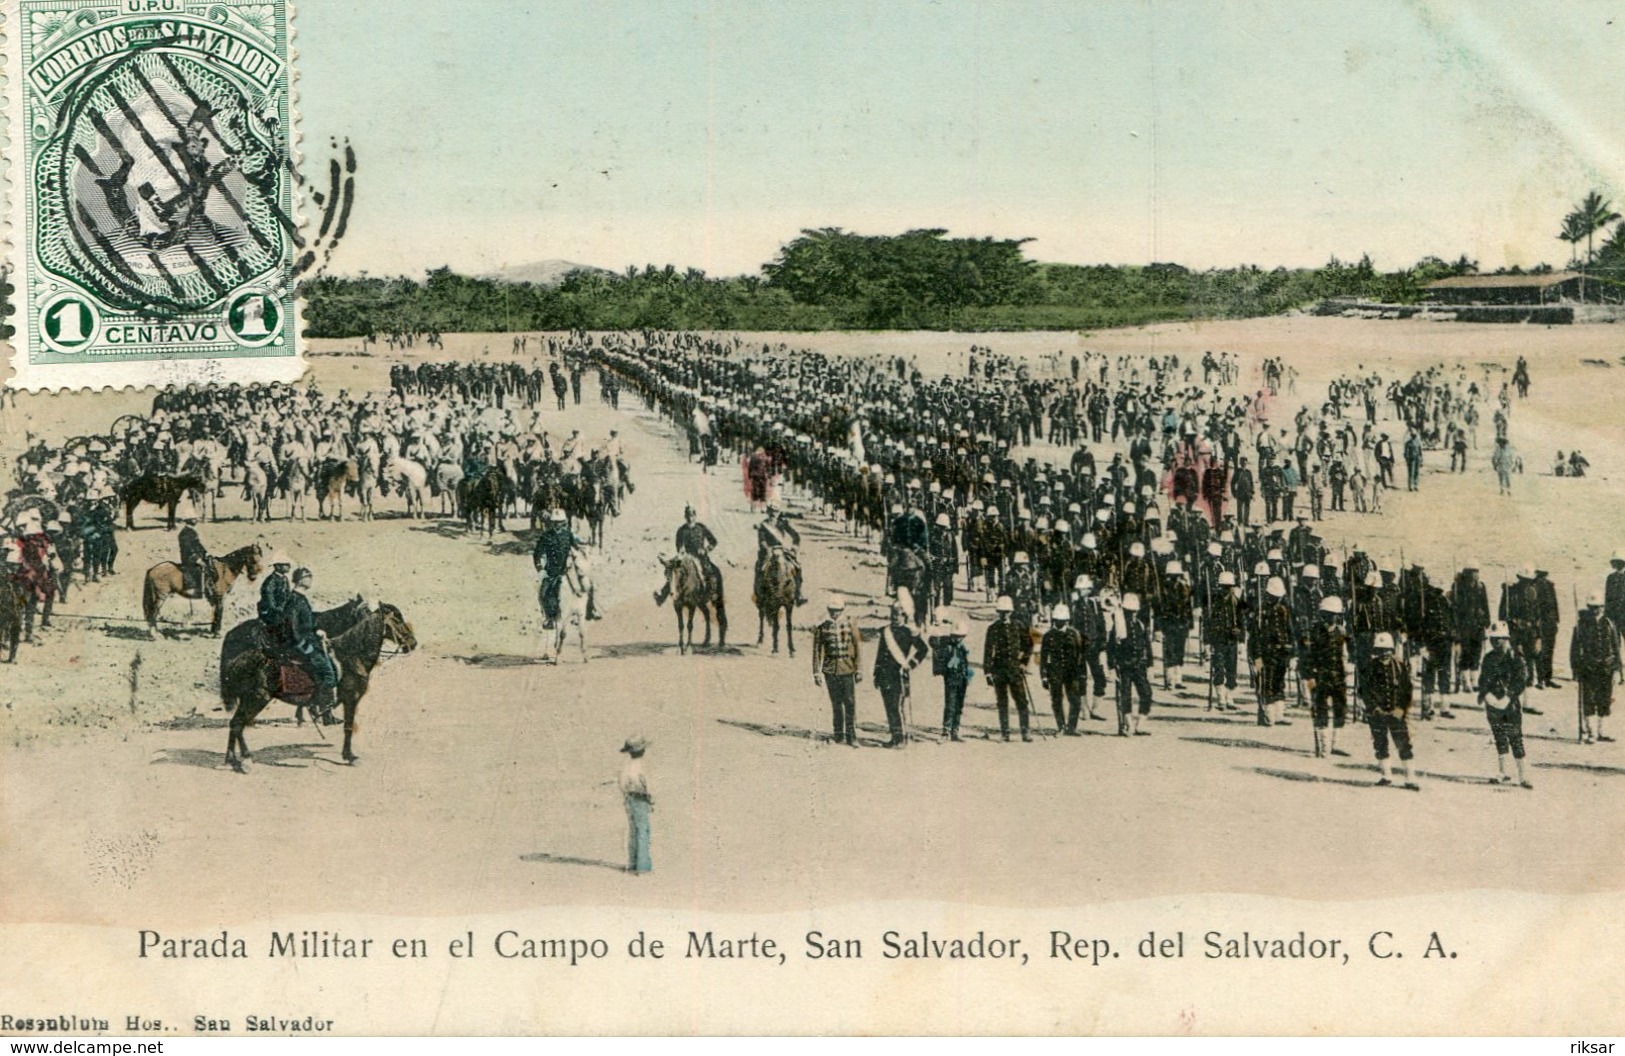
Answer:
(486, 780)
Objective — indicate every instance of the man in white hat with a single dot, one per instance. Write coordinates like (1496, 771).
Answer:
(837, 658)
(1061, 669)
(1276, 646)
(1594, 660)
(950, 662)
(1175, 615)
(1324, 659)
(1131, 655)
(900, 651)
(634, 785)
(1224, 630)
(1385, 686)
(1089, 617)
(1005, 652)
(1500, 690)
(944, 558)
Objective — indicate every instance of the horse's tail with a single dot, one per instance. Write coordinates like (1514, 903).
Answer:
(150, 598)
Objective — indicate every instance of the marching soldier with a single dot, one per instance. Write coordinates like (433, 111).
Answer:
(1130, 652)
(1500, 692)
(1594, 659)
(837, 658)
(1386, 687)
(1174, 616)
(1435, 637)
(1276, 646)
(1061, 669)
(1470, 612)
(1519, 611)
(951, 662)
(944, 560)
(1089, 616)
(1323, 675)
(1005, 653)
(1546, 620)
(1223, 627)
(1614, 592)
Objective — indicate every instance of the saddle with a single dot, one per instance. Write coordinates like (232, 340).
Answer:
(294, 684)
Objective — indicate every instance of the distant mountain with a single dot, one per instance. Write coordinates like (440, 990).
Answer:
(542, 272)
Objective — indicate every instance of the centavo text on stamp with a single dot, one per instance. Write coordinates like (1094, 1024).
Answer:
(154, 209)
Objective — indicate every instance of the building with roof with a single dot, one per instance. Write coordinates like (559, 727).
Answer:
(1550, 288)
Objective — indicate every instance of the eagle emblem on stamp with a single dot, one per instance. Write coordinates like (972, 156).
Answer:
(157, 188)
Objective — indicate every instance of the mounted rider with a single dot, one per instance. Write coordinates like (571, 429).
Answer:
(274, 595)
(695, 543)
(194, 559)
(776, 533)
(552, 558)
(310, 646)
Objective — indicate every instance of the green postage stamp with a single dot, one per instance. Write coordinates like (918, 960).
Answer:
(153, 205)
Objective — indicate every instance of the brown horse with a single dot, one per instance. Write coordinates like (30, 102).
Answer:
(332, 479)
(160, 489)
(252, 634)
(253, 679)
(165, 579)
(691, 593)
(776, 592)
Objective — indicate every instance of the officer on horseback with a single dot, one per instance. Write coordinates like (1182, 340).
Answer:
(194, 558)
(310, 645)
(274, 595)
(695, 540)
(552, 558)
(776, 533)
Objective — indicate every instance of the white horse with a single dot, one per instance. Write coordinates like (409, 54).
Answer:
(448, 476)
(298, 485)
(367, 483)
(575, 592)
(257, 490)
(411, 479)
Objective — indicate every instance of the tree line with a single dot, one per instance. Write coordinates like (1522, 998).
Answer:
(830, 279)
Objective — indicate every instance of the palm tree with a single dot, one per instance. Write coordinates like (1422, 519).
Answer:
(1594, 214)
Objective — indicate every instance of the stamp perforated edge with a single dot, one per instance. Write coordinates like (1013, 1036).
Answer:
(23, 375)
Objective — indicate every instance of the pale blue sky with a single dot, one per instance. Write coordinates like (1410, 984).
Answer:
(1209, 133)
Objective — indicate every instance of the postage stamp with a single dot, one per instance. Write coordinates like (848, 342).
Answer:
(154, 197)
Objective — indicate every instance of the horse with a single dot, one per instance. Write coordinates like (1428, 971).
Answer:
(200, 466)
(334, 476)
(165, 579)
(574, 591)
(251, 634)
(253, 679)
(486, 500)
(257, 490)
(912, 571)
(412, 479)
(776, 592)
(160, 490)
(691, 593)
(447, 483)
(367, 485)
(296, 484)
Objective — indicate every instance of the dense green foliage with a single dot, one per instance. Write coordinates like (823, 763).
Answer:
(831, 279)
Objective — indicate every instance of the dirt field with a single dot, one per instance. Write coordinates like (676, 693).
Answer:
(486, 779)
